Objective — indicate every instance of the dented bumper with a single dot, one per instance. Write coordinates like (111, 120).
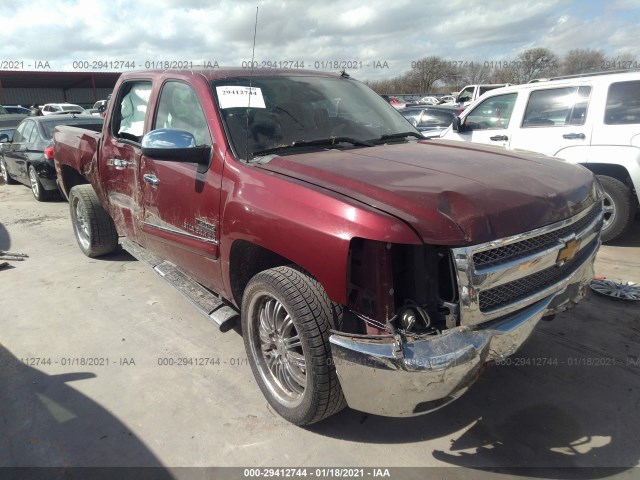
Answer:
(393, 377)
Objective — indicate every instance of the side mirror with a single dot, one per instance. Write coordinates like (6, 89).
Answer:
(175, 145)
(458, 126)
(102, 108)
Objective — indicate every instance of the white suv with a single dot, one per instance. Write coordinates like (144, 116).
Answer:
(53, 108)
(591, 120)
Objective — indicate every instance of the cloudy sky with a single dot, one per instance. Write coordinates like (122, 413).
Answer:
(379, 38)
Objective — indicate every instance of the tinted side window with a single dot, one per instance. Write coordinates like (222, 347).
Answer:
(33, 137)
(128, 120)
(557, 107)
(28, 130)
(492, 113)
(623, 103)
(179, 108)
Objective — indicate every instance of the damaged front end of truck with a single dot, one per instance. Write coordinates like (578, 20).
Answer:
(423, 321)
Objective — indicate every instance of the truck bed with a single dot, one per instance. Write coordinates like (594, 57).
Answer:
(77, 146)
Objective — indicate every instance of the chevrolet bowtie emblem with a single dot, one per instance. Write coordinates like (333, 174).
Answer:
(567, 252)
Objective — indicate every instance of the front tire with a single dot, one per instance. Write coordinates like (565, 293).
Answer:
(94, 229)
(286, 317)
(619, 208)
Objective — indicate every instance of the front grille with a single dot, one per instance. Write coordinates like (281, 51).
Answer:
(530, 246)
(517, 290)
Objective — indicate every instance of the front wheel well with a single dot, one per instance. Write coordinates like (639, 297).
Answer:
(615, 171)
(247, 260)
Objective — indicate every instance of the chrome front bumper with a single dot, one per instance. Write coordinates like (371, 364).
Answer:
(392, 376)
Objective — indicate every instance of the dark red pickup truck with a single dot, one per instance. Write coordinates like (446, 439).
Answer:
(368, 267)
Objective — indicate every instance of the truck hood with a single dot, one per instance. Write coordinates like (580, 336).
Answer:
(451, 193)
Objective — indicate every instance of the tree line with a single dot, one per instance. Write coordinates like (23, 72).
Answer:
(435, 74)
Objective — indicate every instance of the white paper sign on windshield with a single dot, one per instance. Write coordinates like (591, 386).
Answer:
(234, 97)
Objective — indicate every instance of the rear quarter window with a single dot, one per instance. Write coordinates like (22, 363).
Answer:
(623, 103)
(557, 107)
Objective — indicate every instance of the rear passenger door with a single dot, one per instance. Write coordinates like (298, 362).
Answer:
(16, 156)
(555, 121)
(120, 155)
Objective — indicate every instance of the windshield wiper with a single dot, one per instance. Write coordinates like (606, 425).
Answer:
(319, 142)
(397, 135)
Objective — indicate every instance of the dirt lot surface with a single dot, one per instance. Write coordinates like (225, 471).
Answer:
(86, 347)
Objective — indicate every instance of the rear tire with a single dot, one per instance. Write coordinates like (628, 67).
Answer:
(286, 317)
(39, 193)
(5, 174)
(619, 208)
(94, 229)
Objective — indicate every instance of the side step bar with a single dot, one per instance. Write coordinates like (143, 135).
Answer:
(207, 302)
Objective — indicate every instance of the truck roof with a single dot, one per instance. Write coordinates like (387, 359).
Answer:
(226, 72)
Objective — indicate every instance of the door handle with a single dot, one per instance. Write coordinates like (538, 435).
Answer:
(499, 138)
(151, 179)
(119, 163)
(574, 136)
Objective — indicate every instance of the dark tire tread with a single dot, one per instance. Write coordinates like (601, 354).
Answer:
(625, 204)
(44, 195)
(103, 234)
(314, 312)
(9, 180)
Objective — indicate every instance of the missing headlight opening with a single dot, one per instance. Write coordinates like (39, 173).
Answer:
(407, 289)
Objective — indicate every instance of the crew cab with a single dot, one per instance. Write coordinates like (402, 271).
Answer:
(366, 265)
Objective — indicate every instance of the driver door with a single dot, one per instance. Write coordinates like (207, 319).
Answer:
(489, 122)
(181, 201)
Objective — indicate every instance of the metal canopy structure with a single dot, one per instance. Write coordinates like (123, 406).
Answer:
(21, 87)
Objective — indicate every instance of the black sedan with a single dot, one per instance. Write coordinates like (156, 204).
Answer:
(430, 120)
(28, 156)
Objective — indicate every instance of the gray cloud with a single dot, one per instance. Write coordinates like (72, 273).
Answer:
(396, 32)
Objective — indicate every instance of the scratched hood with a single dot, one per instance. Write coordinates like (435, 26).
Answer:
(451, 193)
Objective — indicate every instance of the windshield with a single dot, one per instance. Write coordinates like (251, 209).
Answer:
(303, 109)
(69, 108)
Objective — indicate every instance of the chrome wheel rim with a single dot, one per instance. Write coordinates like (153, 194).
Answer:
(80, 224)
(277, 350)
(33, 179)
(609, 211)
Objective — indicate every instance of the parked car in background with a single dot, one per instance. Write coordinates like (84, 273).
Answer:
(92, 111)
(446, 99)
(428, 101)
(8, 124)
(100, 103)
(432, 120)
(394, 101)
(17, 109)
(51, 108)
(472, 92)
(592, 120)
(27, 156)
